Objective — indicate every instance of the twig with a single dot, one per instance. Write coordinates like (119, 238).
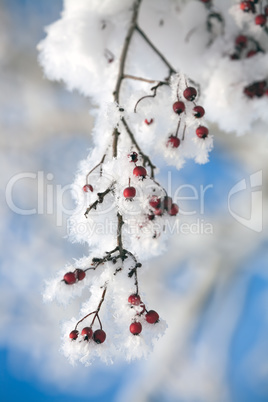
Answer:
(155, 88)
(162, 57)
(99, 200)
(145, 158)
(133, 77)
(100, 163)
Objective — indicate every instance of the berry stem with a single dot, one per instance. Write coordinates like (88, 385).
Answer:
(178, 127)
(99, 164)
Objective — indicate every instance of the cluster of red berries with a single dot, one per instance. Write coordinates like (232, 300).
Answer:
(244, 48)
(256, 90)
(151, 316)
(72, 277)
(87, 333)
(249, 7)
(162, 205)
(189, 94)
(138, 171)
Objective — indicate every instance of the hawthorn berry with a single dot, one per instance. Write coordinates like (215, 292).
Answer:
(87, 188)
(135, 328)
(173, 210)
(241, 41)
(129, 192)
(148, 122)
(178, 107)
(190, 93)
(73, 334)
(173, 141)
(201, 132)
(139, 171)
(134, 299)
(260, 19)
(199, 111)
(158, 211)
(133, 157)
(80, 274)
(99, 336)
(155, 202)
(69, 278)
(247, 6)
(87, 333)
(251, 53)
(152, 317)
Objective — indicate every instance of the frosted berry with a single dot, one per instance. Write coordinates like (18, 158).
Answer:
(133, 157)
(80, 274)
(251, 53)
(247, 6)
(99, 336)
(87, 333)
(179, 107)
(129, 192)
(69, 278)
(260, 19)
(198, 111)
(201, 132)
(241, 41)
(134, 300)
(173, 141)
(87, 188)
(148, 122)
(139, 171)
(74, 334)
(190, 93)
(155, 202)
(173, 210)
(158, 212)
(152, 317)
(135, 328)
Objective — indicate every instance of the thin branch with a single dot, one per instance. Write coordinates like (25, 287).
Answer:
(133, 77)
(146, 159)
(155, 88)
(99, 200)
(100, 163)
(119, 233)
(162, 57)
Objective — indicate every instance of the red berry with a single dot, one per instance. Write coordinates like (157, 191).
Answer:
(251, 53)
(129, 192)
(148, 122)
(190, 93)
(173, 210)
(158, 212)
(142, 305)
(99, 336)
(173, 141)
(135, 328)
(87, 188)
(139, 171)
(74, 334)
(201, 132)
(152, 317)
(247, 6)
(266, 92)
(199, 111)
(260, 19)
(133, 157)
(134, 300)
(87, 333)
(80, 274)
(178, 107)
(241, 41)
(155, 202)
(69, 278)
(151, 217)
